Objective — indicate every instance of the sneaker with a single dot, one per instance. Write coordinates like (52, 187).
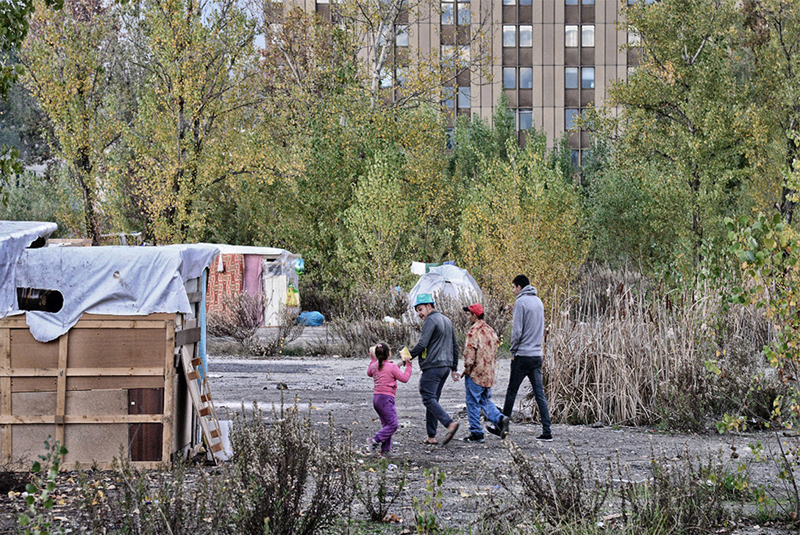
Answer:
(372, 446)
(474, 438)
(505, 421)
(493, 429)
(545, 437)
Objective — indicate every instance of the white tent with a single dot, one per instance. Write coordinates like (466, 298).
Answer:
(447, 281)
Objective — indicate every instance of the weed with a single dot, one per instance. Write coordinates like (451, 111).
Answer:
(426, 510)
(565, 491)
(379, 487)
(38, 518)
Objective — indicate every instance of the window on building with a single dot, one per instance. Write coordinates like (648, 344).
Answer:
(573, 157)
(509, 36)
(450, 134)
(571, 78)
(509, 78)
(512, 114)
(571, 35)
(509, 2)
(525, 2)
(323, 1)
(464, 102)
(588, 2)
(571, 118)
(587, 35)
(525, 119)
(525, 77)
(587, 78)
(571, 2)
(402, 35)
(386, 78)
(447, 13)
(449, 97)
(525, 35)
(463, 13)
(402, 76)
(463, 56)
(448, 55)
(631, 70)
(634, 39)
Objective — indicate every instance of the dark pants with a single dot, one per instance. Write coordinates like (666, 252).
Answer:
(384, 406)
(530, 367)
(430, 388)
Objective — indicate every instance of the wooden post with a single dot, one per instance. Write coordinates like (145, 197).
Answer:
(169, 394)
(61, 386)
(5, 395)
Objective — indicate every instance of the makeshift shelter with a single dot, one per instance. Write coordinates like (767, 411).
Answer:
(446, 281)
(115, 364)
(266, 274)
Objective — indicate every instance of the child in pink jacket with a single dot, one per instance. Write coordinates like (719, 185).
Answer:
(386, 374)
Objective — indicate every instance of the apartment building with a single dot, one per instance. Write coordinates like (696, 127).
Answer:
(551, 58)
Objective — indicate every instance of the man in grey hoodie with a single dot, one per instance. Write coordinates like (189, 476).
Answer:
(437, 349)
(526, 350)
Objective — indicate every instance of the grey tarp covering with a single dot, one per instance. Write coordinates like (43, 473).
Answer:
(15, 236)
(110, 280)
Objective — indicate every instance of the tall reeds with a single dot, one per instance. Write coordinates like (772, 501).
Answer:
(626, 354)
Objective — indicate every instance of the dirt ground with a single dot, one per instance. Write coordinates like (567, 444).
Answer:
(327, 385)
(324, 385)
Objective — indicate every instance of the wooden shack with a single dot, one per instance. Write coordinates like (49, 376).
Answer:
(130, 384)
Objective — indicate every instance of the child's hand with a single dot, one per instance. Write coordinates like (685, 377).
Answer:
(405, 355)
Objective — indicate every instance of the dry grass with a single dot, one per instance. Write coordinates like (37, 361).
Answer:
(625, 354)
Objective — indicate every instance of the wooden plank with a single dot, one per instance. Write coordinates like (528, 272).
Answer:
(82, 372)
(84, 419)
(169, 392)
(116, 348)
(27, 352)
(98, 322)
(61, 386)
(5, 396)
(33, 384)
(156, 316)
(187, 336)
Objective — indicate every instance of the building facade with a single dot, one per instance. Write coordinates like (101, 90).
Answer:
(551, 58)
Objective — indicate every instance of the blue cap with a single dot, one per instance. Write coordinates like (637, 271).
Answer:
(423, 299)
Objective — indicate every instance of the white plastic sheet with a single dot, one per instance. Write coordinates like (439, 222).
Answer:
(15, 236)
(110, 280)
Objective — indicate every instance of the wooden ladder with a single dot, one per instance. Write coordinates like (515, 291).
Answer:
(200, 393)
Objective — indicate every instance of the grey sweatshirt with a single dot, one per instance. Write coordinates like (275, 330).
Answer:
(528, 324)
(439, 338)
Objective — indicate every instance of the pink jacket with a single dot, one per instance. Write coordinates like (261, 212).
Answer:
(387, 377)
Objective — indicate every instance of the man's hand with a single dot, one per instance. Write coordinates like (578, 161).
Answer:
(455, 376)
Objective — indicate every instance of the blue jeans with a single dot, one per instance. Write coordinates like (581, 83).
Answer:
(479, 397)
(430, 388)
(530, 367)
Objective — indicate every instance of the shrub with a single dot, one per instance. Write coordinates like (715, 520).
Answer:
(287, 482)
(241, 320)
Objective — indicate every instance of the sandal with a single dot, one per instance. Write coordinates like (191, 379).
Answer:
(427, 442)
(451, 431)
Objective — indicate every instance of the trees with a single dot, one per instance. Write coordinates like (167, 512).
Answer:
(523, 216)
(70, 57)
(191, 133)
(682, 126)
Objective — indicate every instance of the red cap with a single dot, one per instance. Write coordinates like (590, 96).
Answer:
(476, 309)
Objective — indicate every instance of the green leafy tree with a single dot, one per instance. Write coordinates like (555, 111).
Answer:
(681, 122)
(523, 216)
(69, 57)
(192, 130)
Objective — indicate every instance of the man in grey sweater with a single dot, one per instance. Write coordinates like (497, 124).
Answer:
(437, 350)
(526, 350)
